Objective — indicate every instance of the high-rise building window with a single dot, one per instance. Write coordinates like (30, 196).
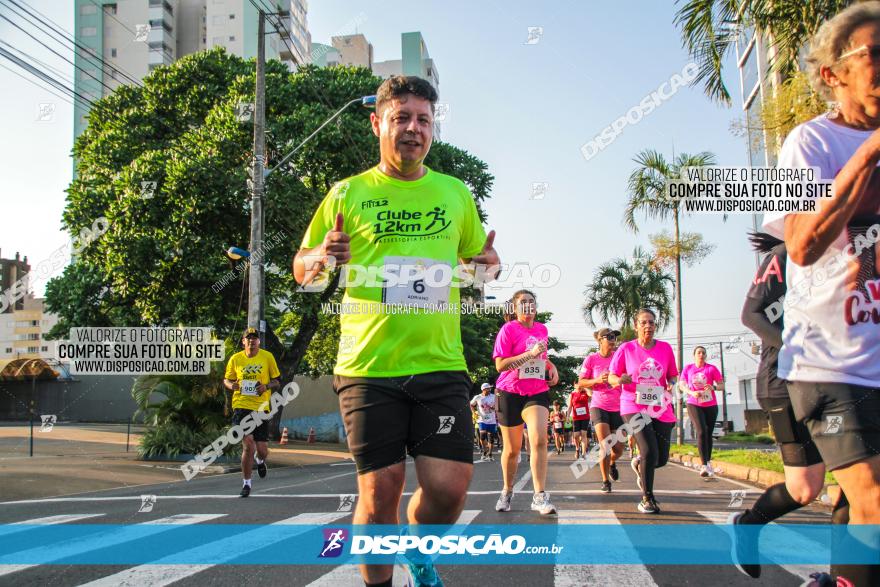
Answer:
(8, 351)
(231, 17)
(113, 53)
(231, 38)
(44, 349)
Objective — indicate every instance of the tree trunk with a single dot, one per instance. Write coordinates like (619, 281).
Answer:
(292, 356)
(679, 428)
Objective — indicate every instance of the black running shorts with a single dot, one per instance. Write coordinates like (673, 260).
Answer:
(843, 420)
(511, 406)
(387, 417)
(792, 437)
(600, 416)
(260, 433)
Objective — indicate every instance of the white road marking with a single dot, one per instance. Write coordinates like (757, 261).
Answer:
(795, 542)
(6, 530)
(604, 574)
(156, 574)
(77, 546)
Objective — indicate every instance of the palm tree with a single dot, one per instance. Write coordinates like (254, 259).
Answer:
(709, 29)
(647, 185)
(621, 287)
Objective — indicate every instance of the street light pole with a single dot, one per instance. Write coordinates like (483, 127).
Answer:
(256, 281)
(723, 391)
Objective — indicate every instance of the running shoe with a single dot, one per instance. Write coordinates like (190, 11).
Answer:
(704, 471)
(742, 549)
(423, 574)
(483, 458)
(577, 454)
(710, 469)
(503, 503)
(655, 504)
(245, 491)
(615, 474)
(262, 469)
(606, 486)
(541, 504)
(826, 580)
(634, 464)
(647, 506)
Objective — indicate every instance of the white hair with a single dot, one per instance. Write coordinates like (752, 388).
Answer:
(833, 38)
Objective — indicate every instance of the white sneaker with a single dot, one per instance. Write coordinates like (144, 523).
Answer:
(710, 470)
(503, 503)
(541, 504)
(483, 458)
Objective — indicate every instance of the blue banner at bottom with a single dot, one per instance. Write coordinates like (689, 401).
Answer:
(526, 544)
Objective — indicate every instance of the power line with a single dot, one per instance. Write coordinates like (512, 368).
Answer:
(45, 77)
(58, 32)
(34, 83)
(87, 72)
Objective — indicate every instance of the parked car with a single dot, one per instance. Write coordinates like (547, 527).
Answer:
(718, 430)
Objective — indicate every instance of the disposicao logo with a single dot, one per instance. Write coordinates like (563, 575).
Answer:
(334, 541)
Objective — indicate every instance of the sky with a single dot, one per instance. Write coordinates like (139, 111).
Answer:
(525, 108)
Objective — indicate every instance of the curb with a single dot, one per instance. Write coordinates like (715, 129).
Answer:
(761, 477)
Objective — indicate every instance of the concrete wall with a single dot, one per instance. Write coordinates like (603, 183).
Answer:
(316, 407)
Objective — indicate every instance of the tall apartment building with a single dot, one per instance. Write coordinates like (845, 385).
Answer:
(353, 50)
(135, 36)
(23, 332)
(11, 270)
(414, 60)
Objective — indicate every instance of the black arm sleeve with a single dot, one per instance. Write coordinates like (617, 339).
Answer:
(754, 318)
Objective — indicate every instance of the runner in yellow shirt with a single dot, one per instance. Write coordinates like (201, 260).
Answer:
(250, 375)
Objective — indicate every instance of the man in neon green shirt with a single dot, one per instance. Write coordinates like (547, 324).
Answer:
(400, 374)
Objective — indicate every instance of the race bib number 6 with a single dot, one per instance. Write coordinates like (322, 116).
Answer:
(533, 369)
(648, 395)
(416, 282)
(249, 387)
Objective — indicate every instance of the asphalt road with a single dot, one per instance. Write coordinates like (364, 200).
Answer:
(314, 494)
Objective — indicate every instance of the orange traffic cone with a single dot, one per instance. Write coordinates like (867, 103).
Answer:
(311, 439)
(283, 436)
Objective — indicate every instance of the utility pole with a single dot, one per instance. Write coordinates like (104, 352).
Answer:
(723, 391)
(256, 274)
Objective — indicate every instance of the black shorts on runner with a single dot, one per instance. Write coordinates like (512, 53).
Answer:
(260, 433)
(511, 405)
(843, 420)
(600, 416)
(582, 426)
(387, 417)
(792, 437)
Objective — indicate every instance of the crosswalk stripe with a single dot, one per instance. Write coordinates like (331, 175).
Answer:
(157, 574)
(46, 521)
(114, 537)
(802, 571)
(578, 575)
(345, 575)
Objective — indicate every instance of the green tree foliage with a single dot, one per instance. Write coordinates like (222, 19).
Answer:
(710, 29)
(621, 287)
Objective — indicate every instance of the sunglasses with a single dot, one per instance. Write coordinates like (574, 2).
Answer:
(610, 337)
(873, 51)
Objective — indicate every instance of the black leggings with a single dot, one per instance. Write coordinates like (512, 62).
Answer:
(703, 419)
(653, 441)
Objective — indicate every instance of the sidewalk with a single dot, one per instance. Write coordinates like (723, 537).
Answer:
(76, 459)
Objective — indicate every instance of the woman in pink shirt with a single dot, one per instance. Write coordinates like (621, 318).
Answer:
(645, 369)
(604, 401)
(699, 380)
(521, 359)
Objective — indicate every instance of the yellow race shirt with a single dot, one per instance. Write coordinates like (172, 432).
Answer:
(395, 225)
(249, 371)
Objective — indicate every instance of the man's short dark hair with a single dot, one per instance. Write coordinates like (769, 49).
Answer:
(401, 85)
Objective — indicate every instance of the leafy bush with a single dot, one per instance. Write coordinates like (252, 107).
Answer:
(172, 439)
